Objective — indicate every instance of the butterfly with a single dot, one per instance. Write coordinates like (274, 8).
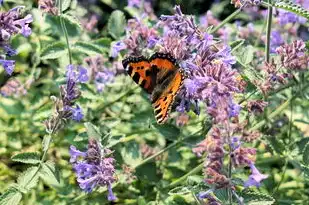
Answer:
(159, 76)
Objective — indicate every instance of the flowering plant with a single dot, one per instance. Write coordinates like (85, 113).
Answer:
(76, 129)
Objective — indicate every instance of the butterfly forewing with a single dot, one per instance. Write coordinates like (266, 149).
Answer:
(139, 69)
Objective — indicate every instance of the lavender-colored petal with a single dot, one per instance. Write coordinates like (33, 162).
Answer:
(77, 113)
(8, 66)
(75, 153)
(255, 178)
(110, 196)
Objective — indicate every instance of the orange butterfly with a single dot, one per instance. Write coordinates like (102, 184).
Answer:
(159, 76)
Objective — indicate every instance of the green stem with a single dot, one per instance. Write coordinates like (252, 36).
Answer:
(164, 150)
(268, 31)
(184, 177)
(272, 115)
(65, 31)
(225, 21)
(282, 177)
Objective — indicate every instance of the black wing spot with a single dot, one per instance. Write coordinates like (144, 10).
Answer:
(136, 77)
(130, 70)
(159, 110)
(159, 117)
(165, 98)
(155, 68)
(143, 83)
(148, 73)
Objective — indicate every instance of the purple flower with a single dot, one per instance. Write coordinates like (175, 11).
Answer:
(226, 56)
(1, 2)
(8, 65)
(234, 109)
(77, 113)
(11, 24)
(255, 178)
(93, 168)
(75, 154)
(276, 40)
(134, 3)
(9, 51)
(116, 48)
(48, 6)
(77, 73)
(103, 78)
(235, 143)
(285, 17)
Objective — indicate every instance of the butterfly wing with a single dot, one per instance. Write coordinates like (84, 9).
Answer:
(168, 82)
(139, 69)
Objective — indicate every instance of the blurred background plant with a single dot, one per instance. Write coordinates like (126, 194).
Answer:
(67, 106)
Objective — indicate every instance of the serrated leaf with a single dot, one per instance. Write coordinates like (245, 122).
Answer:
(256, 198)
(49, 173)
(10, 197)
(71, 20)
(53, 51)
(87, 48)
(93, 131)
(292, 7)
(276, 144)
(116, 24)
(179, 190)
(170, 132)
(28, 179)
(27, 157)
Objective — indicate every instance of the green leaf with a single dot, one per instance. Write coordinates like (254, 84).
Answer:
(71, 22)
(93, 131)
(116, 24)
(170, 132)
(27, 157)
(276, 144)
(256, 198)
(102, 42)
(50, 174)
(246, 55)
(54, 50)
(148, 172)
(305, 169)
(87, 48)
(292, 7)
(10, 197)
(179, 190)
(65, 4)
(28, 179)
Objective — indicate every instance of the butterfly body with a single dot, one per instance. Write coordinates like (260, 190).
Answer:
(159, 76)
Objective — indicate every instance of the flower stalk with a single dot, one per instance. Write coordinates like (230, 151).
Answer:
(268, 31)
(65, 31)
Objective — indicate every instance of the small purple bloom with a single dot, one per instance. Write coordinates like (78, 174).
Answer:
(9, 50)
(286, 17)
(103, 78)
(75, 154)
(235, 143)
(93, 168)
(255, 178)
(276, 41)
(116, 48)
(77, 74)
(8, 66)
(226, 56)
(133, 3)
(234, 109)
(77, 113)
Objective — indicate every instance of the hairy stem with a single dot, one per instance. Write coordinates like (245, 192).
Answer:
(268, 31)
(65, 31)
(226, 20)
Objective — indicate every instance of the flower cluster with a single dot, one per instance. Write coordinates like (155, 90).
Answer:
(246, 3)
(94, 167)
(11, 23)
(48, 6)
(65, 105)
(99, 73)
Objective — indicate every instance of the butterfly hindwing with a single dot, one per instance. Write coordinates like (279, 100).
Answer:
(139, 69)
(163, 104)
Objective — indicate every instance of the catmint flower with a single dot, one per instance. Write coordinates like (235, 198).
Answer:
(294, 56)
(9, 50)
(8, 65)
(13, 88)
(134, 3)
(255, 178)
(116, 48)
(256, 106)
(94, 167)
(90, 23)
(276, 41)
(103, 78)
(285, 17)
(77, 74)
(48, 6)
(77, 113)
(225, 56)
(210, 198)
